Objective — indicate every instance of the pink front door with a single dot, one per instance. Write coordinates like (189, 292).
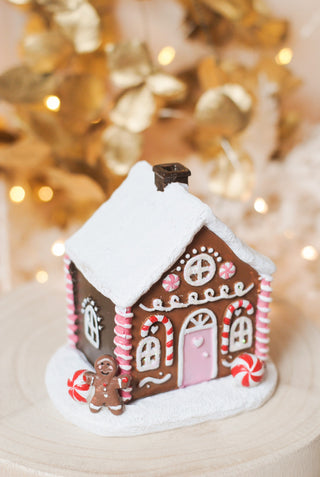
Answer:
(199, 342)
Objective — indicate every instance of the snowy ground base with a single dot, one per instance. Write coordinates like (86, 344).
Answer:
(214, 399)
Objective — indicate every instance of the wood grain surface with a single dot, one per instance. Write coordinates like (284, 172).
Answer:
(280, 439)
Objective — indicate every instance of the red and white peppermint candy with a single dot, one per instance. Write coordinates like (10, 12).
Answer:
(247, 369)
(78, 388)
(227, 270)
(171, 282)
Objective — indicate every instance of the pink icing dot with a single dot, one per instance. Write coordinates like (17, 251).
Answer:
(171, 282)
(227, 270)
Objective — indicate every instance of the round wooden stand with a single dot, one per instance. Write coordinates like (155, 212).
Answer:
(280, 439)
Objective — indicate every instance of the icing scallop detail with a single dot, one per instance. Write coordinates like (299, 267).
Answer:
(248, 370)
(78, 388)
(227, 270)
(171, 282)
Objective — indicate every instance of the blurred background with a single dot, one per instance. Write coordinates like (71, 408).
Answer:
(230, 88)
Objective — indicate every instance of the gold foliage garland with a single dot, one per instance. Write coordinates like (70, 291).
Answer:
(108, 92)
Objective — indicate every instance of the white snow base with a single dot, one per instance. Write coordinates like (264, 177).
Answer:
(214, 399)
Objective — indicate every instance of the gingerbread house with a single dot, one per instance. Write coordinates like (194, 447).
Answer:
(160, 283)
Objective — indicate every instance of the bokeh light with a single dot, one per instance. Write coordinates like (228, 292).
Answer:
(166, 55)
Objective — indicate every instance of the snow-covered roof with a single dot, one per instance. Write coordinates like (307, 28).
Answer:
(134, 237)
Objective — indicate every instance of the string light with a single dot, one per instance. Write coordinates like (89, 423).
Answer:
(284, 56)
(45, 193)
(166, 55)
(58, 248)
(260, 206)
(52, 102)
(17, 194)
(309, 253)
(42, 276)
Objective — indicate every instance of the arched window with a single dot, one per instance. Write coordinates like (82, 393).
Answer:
(240, 334)
(91, 322)
(148, 354)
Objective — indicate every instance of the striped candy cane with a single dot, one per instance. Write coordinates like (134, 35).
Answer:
(169, 333)
(122, 340)
(72, 325)
(227, 319)
(262, 323)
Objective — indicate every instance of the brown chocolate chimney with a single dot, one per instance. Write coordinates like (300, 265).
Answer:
(164, 174)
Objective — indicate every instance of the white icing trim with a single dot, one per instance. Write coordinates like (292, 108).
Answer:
(123, 356)
(115, 408)
(226, 363)
(122, 346)
(263, 340)
(263, 330)
(266, 288)
(150, 379)
(194, 300)
(122, 311)
(93, 406)
(126, 326)
(201, 325)
(126, 367)
(263, 309)
(267, 299)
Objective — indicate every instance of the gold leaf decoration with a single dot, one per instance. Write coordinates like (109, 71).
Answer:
(232, 175)
(134, 109)
(226, 109)
(166, 86)
(21, 85)
(211, 73)
(272, 32)
(121, 149)
(82, 97)
(44, 52)
(232, 9)
(20, 2)
(54, 6)
(129, 63)
(82, 26)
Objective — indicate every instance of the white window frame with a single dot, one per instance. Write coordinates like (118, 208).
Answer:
(148, 353)
(91, 325)
(194, 267)
(237, 336)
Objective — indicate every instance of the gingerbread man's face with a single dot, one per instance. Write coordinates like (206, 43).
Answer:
(106, 367)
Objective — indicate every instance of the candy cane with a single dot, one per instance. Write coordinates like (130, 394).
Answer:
(227, 319)
(169, 334)
(72, 326)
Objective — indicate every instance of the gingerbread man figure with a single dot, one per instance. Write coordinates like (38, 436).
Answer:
(106, 385)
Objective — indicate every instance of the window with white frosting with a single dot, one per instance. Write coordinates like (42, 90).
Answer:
(199, 270)
(91, 322)
(240, 334)
(148, 354)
